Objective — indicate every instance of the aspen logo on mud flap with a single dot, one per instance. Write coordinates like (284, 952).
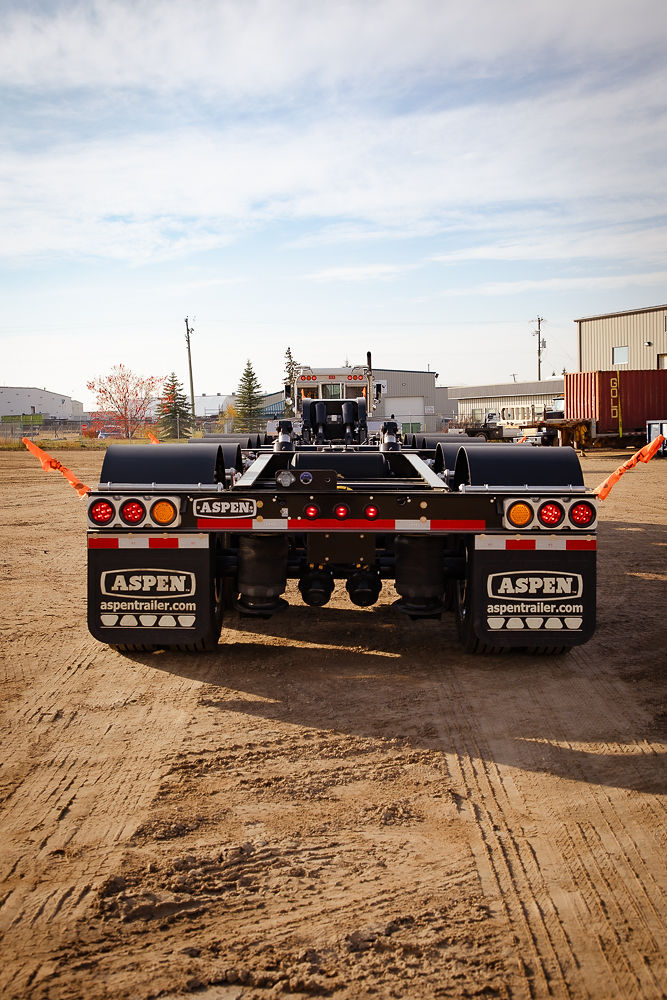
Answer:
(534, 585)
(163, 583)
(218, 507)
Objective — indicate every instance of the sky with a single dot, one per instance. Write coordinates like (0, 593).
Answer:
(417, 178)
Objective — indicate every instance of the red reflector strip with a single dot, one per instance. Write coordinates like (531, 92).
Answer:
(226, 523)
(496, 543)
(132, 541)
(458, 525)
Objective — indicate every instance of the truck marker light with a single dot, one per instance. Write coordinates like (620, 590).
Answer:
(164, 512)
(550, 514)
(341, 510)
(371, 512)
(520, 514)
(132, 512)
(582, 514)
(101, 512)
(312, 511)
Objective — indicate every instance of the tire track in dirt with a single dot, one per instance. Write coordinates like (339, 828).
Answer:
(506, 872)
(584, 880)
(89, 769)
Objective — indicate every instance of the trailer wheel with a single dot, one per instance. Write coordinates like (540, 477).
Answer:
(545, 650)
(464, 626)
(131, 647)
(209, 642)
(464, 618)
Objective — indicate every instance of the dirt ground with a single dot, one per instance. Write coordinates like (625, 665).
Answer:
(338, 803)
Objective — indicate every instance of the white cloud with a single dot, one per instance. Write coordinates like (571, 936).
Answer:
(251, 47)
(361, 272)
(657, 279)
(174, 193)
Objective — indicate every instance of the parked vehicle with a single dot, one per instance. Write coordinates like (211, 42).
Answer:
(503, 538)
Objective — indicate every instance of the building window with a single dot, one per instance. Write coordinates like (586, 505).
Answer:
(619, 355)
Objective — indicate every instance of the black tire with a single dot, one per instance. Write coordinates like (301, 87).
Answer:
(132, 647)
(545, 650)
(209, 642)
(464, 626)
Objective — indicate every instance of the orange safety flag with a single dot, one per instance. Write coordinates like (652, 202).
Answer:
(523, 439)
(644, 454)
(152, 438)
(53, 463)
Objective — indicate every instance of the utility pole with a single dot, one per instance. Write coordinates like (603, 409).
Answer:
(188, 331)
(541, 344)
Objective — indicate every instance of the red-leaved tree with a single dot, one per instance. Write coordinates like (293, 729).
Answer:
(123, 398)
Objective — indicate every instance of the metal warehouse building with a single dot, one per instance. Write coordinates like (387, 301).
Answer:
(409, 396)
(525, 401)
(20, 400)
(636, 339)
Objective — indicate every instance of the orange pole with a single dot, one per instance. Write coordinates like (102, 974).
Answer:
(644, 454)
(53, 463)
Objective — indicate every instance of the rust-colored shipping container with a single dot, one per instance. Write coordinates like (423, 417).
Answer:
(620, 402)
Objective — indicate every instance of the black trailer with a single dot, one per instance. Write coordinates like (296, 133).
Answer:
(503, 537)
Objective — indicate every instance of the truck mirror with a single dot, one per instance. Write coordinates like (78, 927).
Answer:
(378, 391)
(288, 391)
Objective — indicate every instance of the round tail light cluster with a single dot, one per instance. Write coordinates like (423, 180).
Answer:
(101, 512)
(133, 512)
(520, 514)
(550, 514)
(164, 512)
(582, 514)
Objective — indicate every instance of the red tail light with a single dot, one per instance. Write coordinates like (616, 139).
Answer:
(311, 511)
(101, 512)
(132, 512)
(582, 514)
(550, 514)
(341, 511)
(371, 512)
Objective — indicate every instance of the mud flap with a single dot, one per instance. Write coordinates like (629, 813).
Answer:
(532, 598)
(147, 596)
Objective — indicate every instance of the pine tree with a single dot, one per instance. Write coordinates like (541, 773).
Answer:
(175, 419)
(291, 368)
(248, 401)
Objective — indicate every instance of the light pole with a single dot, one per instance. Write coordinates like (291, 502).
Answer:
(541, 344)
(188, 332)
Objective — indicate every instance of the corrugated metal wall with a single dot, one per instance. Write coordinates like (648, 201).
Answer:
(410, 383)
(527, 406)
(619, 402)
(644, 333)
